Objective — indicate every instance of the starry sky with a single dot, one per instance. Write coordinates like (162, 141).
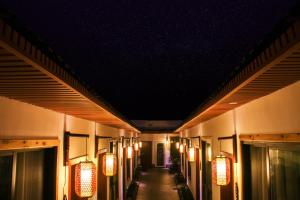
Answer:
(151, 60)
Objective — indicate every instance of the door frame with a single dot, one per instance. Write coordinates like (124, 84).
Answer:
(163, 147)
(198, 158)
(205, 140)
(100, 155)
(142, 157)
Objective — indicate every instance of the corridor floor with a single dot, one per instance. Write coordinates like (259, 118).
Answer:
(157, 184)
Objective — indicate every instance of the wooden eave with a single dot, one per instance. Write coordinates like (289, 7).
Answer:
(277, 66)
(29, 75)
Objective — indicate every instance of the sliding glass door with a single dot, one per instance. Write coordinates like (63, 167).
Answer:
(28, 175)
(284, 174)
(271, 171)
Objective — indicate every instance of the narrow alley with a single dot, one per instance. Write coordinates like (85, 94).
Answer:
(157, 184)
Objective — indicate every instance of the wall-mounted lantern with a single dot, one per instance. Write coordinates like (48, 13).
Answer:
(85, 179)
(221, 170)
(167, 140)
(140, 144)
(129, 152)
(177, 145)
(109, 164)
(136, 146)
(209, 154)
(181, 148)
(192, 154)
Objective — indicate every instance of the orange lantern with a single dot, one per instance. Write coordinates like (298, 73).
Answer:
(129, 152)
(181, 147)
(167, 142)
(221, 170)
(192, 154)
(209, 154)
(136, 146)
(109, 164)
(140, 144)
(177, 145)
(85, 179)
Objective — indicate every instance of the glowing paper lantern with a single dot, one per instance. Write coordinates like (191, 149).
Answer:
(221, 170)
(129, 152)
(85, 179)
(209, 154)
(136, 146)
(192, 154)
(177, 145)
(167, 142)
(181, 148)
(140, 144)
(109, 164)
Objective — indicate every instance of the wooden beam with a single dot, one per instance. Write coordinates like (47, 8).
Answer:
(13, 144)
(289, 137)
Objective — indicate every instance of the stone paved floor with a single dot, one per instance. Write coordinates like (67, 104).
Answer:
(157, 184)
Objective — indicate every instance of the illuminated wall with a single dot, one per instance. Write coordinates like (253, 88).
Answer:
(278, 112)
(22, 120)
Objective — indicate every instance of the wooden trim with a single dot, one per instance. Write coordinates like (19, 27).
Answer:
(205, 138)
(242, 170)
(234, 145)
(288, 137)
(58, 148)
(266, 73)
(66, 145)
(14, 144)
(25, 54)
(97, 138)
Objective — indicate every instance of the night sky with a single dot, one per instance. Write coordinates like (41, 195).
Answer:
(151, 59)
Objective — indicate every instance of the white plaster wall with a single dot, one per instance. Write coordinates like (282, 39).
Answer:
(22, 120)
(278, 112)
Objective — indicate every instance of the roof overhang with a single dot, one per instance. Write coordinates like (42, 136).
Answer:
(275, 67)
(156, 126)
(29, 75)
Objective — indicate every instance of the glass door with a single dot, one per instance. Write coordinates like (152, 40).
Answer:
(6, 174)
(271, 171)
(28, 175)
(284, 174)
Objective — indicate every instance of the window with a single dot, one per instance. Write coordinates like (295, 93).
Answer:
(271, 171)
(20, 171)
(284, 174)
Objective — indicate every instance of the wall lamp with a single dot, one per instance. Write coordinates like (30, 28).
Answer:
(221, 164)
(85, 171)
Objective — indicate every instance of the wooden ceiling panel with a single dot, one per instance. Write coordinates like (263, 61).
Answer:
(274, 68)
(29, 75)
